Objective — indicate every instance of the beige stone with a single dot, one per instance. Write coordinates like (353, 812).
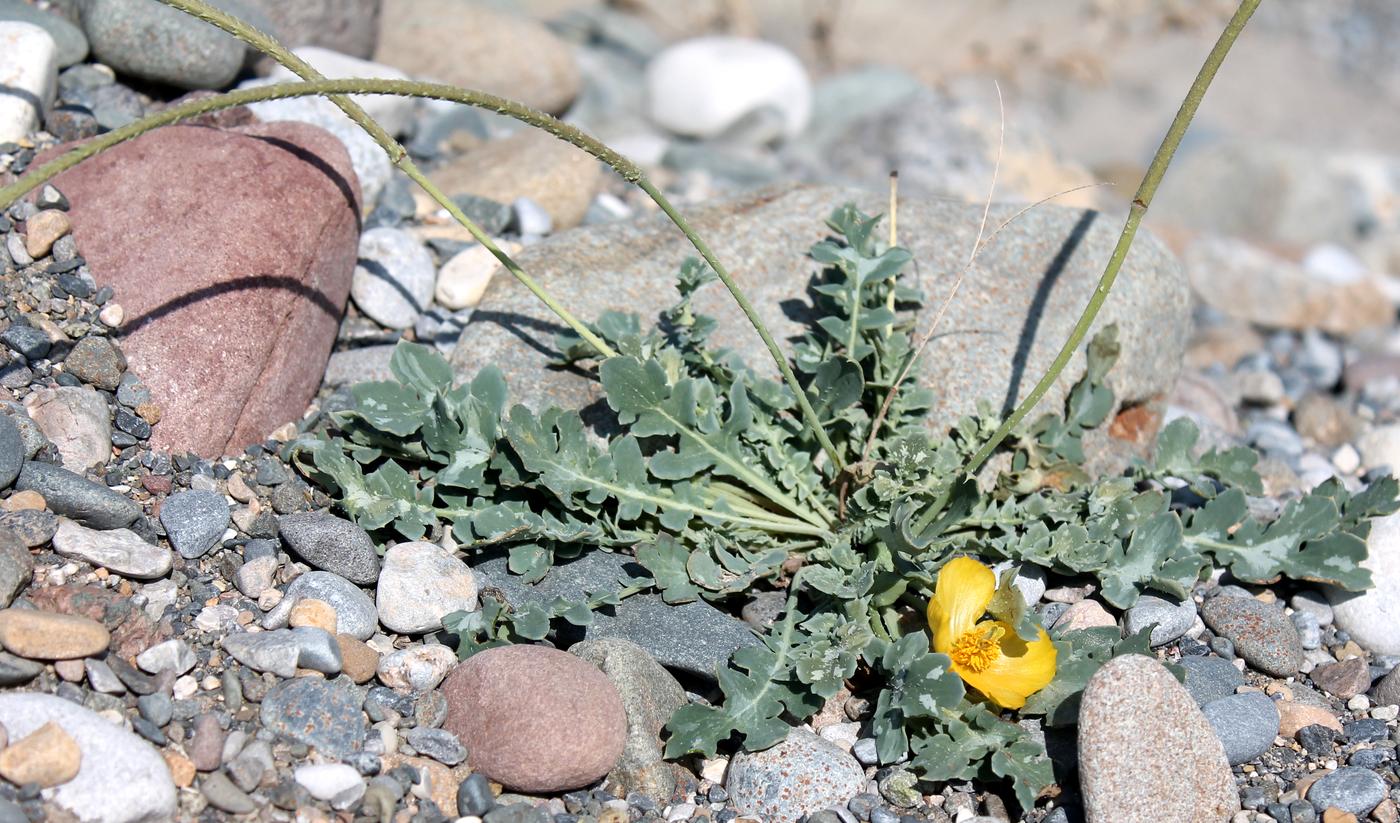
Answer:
(48, 756)
(1146, 751)
(530, 163)
(40, 635)
(43, 230)
(1086, 614)
(23, 500)
(467, 44)
(1294, 716)
(312, 612)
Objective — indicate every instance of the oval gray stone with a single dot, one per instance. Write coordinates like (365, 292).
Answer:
(332, 544)
(320, 713)
(1350, 789)
(1263, 635)
(192, 54)
(1210, 678)
(1245, 723)
(276, 651)
(76, 497)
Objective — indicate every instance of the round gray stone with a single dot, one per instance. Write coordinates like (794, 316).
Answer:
(194, 520)
(332, 544)
(1245, 723)
(1350, 789)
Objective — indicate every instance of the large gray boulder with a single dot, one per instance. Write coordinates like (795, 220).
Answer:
(1010, 317)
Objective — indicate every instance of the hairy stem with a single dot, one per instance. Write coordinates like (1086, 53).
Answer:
(1150, 181)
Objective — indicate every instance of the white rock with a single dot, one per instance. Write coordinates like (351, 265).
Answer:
(370, 162)
(1370, 617)
(29, 77)
(337, 783)
(75, 418)
(530, 217)
(420, 583)
(416, 669)
(393, 281)
(122, 779)
(159, 594)
(390, 111)
(121, 550)
(1380, 447)
(463, 279)
(112, 315)
(701, 87)
(1346, 459)
(171, 655)
(275, 651)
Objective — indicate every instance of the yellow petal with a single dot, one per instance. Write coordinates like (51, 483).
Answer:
(960, 596)
(1022, 669)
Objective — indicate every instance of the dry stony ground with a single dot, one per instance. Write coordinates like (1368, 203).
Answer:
(189, 630)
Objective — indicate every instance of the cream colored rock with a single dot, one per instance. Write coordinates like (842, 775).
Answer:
(75, 418)
(38, 635)
(43, 230)
(29, 75)
(530, 163)
(1086, 614)
(463, 279)
(468, 44)
(48, 756)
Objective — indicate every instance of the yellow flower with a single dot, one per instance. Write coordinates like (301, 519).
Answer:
(988, 656)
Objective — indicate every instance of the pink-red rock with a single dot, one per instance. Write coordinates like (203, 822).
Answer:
(535, 719)
(231, 251)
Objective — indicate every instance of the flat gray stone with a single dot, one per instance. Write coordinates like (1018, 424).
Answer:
(1350, 789)
(276, 651)
(1002, 331)
(799, 776)
(78, 498)
(12, 451)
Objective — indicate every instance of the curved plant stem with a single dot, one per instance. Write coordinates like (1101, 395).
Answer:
(1148, 188)
(399, 157)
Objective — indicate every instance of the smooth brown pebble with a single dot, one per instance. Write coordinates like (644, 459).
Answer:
(1294, 716)
(358, 661)
(535, 719)
(20, 501)
(43, 230)
(39, 635)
